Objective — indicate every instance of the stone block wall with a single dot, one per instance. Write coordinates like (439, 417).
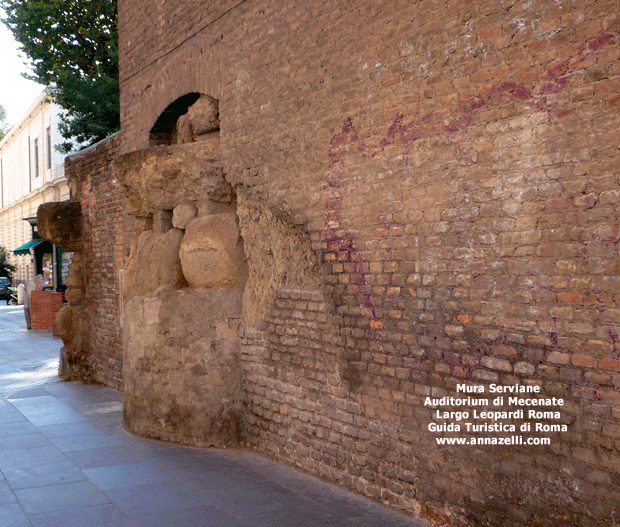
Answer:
(183, 285)
(442, 178)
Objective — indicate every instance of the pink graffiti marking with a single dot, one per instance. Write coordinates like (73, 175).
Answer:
(342, 243)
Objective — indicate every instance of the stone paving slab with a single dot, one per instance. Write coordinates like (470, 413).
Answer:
(66, 461)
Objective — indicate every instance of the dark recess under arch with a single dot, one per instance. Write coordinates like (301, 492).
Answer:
(164, 130)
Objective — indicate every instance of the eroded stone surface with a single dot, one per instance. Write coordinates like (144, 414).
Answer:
(64, 323)
(162, 221)
(204, 115)
(76, 359)
(206, 207)
(183, 214)
(154, 264)
(210, 253)
(74, 322)
(278, 254)
(185, 133)
(60, 222)
(74, 295)
(75, 277)
(160, 178)
(76, 271)
(184, 354)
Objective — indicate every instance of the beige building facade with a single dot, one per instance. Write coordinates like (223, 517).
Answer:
(31, 173)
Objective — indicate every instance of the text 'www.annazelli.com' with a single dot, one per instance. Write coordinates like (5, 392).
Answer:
(512, 440)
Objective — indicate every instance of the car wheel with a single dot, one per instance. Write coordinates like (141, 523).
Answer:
(11, 302)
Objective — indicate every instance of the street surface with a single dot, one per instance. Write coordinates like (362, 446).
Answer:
(65, 461)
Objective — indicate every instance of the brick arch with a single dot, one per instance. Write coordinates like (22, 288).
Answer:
(165, 80)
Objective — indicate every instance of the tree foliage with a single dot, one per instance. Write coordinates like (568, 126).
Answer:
(4, 126)
(73, 48)
(6, 269)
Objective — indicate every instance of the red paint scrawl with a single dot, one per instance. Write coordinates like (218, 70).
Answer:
(342, 243)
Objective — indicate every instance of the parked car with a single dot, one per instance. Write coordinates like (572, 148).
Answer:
(4, 285)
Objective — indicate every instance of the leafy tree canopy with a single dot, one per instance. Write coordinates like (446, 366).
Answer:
(6, 269)
(4, 126)
(73, 49)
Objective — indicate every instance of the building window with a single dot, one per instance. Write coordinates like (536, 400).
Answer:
(36, 157)
(48, 140)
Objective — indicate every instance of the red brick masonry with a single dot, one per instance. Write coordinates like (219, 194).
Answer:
(43, 307)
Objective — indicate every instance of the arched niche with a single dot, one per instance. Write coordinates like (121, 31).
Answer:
(164, 131)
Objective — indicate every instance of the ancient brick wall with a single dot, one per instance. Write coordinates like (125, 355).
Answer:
(105, 240)
(454, 168)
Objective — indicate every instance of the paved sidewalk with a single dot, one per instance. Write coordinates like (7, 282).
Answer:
(66, 461)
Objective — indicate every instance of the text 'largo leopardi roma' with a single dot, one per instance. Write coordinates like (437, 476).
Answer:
(478, 400)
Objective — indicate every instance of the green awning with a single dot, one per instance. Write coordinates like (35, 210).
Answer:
(25, 249)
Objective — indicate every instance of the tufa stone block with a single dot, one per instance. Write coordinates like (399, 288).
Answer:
(183, 214)
(210, 252)
(60, 222)
(64, 323)
(154, 264)
(182, 353)
(185, 133)
(204, 115)
(160, 178)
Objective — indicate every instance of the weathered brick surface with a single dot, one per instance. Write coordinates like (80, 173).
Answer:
(455, 166)
(105, 239)
(43, 307)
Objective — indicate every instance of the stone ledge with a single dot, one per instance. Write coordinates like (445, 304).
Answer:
(161, 177)
(60, 222)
